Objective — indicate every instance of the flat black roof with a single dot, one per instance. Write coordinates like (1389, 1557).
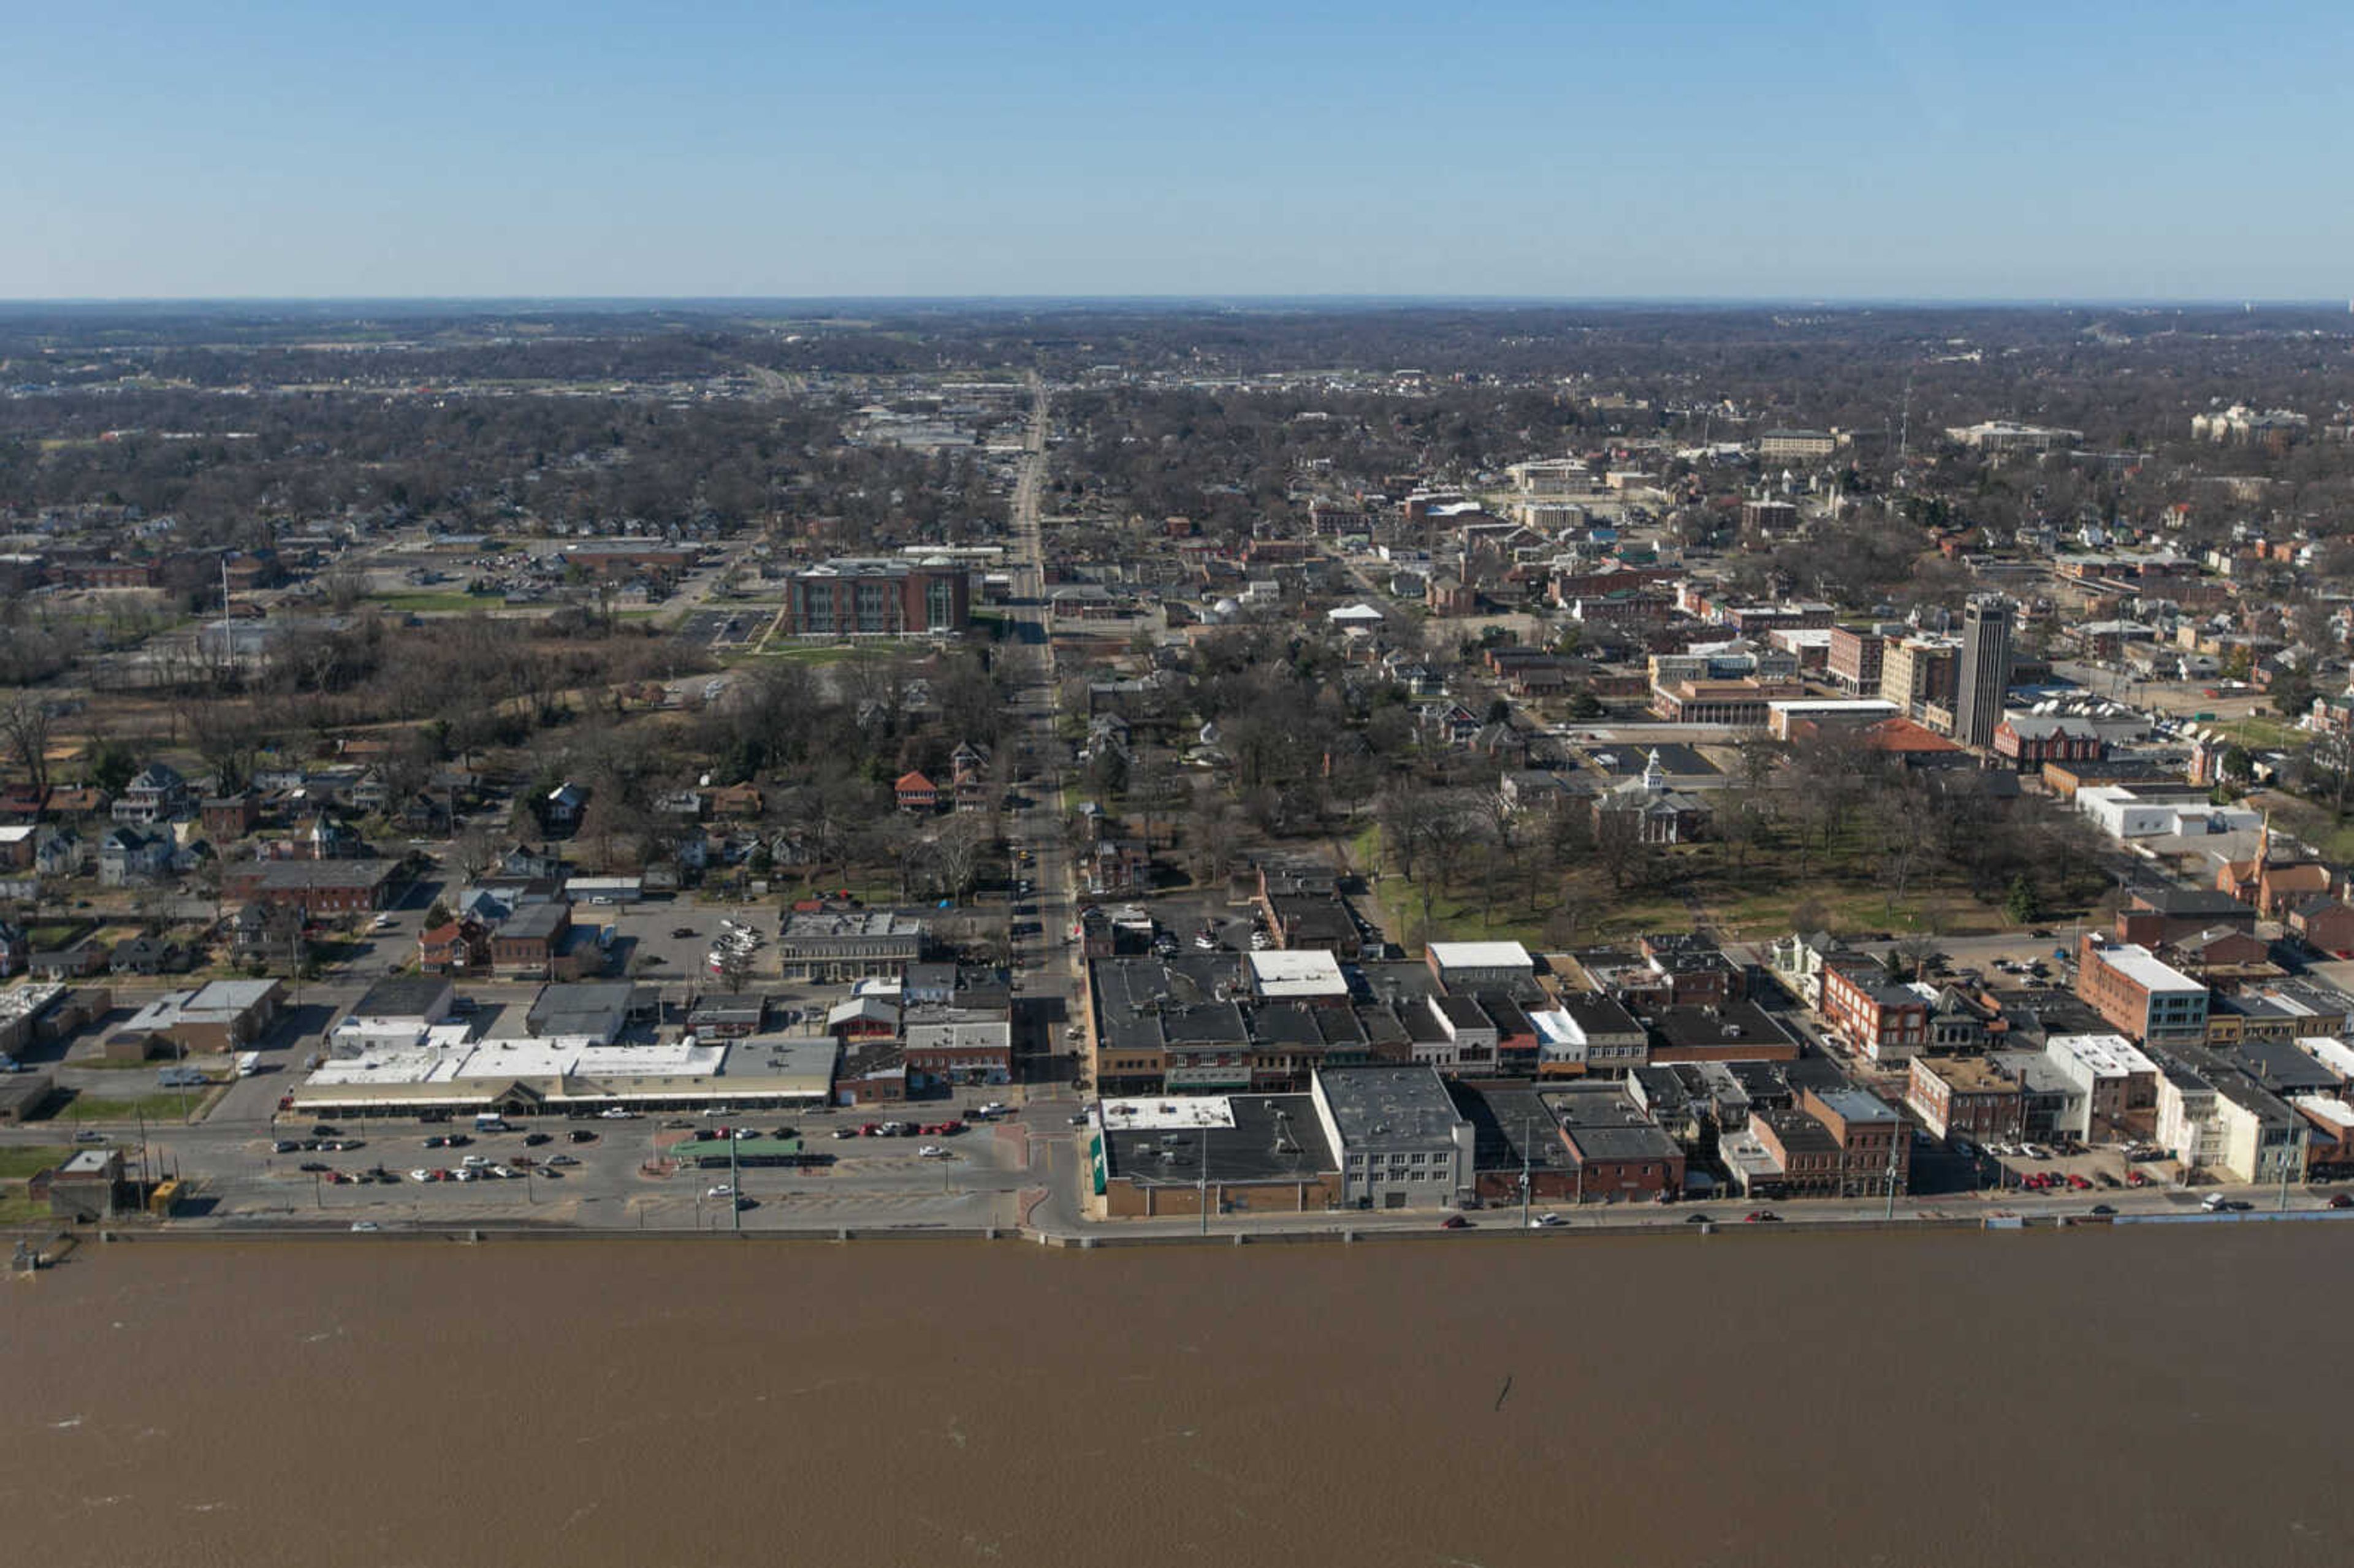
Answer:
(1275, 1138)
(1730, 1023)
(1602, 1123)
(1507, 1118)
(401, 996)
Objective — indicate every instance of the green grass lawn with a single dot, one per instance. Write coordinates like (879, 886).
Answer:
(22, 1160)
(162, 1106)
(19, 1207)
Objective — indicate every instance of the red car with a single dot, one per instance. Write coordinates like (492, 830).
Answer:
(1454, 1223)
(871, 1130)
(2079, 1183)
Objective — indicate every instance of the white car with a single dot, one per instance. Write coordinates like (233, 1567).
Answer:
(931, 1152)
(365, 1225)
(420, 1174)
(615, 1113)
(1546, 1221)
(722, 1190)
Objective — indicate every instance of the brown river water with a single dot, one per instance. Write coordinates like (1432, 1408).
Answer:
(2153, 1397)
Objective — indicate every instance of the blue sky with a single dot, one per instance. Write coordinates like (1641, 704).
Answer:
(1985, 149)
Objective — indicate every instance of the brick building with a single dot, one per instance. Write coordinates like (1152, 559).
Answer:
(1971, 1097)
(878, 598)
(2148, 1001)
(1887, 1021)
(317, 887)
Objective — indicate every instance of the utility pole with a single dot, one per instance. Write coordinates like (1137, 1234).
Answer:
(1205, 1181)
(1900, 1131)
(735, 1188)
(1527, 1124)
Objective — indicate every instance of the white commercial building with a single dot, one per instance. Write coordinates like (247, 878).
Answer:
(1459, 964)
(1296, 972)
(2124, 813)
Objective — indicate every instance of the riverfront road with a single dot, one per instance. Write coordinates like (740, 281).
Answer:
(1025, 1172)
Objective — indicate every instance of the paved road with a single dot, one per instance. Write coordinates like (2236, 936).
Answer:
(1045, 960)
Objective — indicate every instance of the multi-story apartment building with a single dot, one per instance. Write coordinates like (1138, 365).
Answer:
(1916, 671)
(1854, 659)
(2153, 1002)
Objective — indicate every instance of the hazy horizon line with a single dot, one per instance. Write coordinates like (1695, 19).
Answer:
(1815, 301)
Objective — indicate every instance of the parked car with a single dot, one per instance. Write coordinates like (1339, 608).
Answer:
(1546, 1221)
(1761, 1217)
(1454, 1223)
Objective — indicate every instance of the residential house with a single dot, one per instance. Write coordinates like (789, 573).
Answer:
(129, 856)
(58, 854)
(146, 956)
(915, 792)
(229, 817)
(560, 811)
(157, 795)
(969, 779)
(531, 862)
(455, 947)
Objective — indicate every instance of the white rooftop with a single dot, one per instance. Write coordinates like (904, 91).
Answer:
(1297, 971)
(2137, 964)
(523, 1058)
(2334, 1055)
(2325, 1107)
(2104, 1055)
(1481, 955)
(1168, 1115)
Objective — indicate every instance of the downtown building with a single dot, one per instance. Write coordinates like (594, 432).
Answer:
(1984, 675)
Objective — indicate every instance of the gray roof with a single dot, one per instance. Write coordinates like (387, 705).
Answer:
(401, 996)
(543, 920)
(1508, 1118)
(1603, 1123)
(1389, 1104)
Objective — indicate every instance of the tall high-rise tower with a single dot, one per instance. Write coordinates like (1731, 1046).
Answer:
(1985, 674)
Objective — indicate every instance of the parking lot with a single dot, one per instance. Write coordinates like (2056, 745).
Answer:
(603, 1170)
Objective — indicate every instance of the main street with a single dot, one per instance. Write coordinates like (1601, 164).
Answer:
(1045, 966)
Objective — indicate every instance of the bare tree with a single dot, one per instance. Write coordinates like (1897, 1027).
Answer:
(24, 727)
